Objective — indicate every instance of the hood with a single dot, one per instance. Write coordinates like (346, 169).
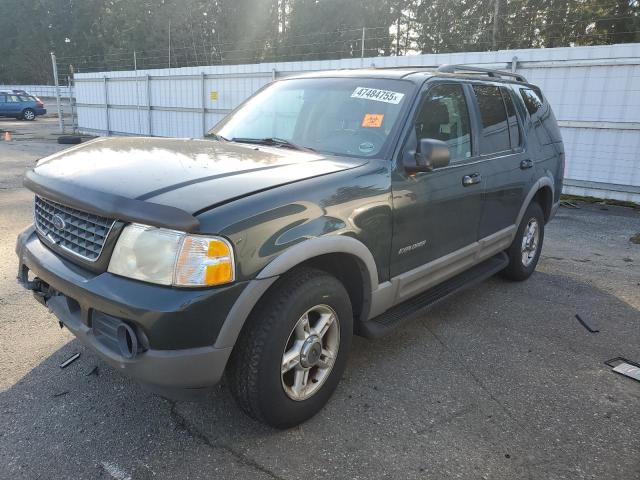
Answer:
(187, 174)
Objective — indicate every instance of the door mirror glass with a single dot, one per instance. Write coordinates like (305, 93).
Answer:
(431, 154)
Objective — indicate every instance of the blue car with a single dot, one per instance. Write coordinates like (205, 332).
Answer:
(20, 105)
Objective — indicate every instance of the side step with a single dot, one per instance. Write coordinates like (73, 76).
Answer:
(383, 324)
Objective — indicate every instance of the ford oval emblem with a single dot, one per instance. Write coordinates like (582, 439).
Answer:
(58, 222)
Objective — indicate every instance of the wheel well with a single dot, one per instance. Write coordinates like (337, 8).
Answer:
(544, 197)
(352, 274)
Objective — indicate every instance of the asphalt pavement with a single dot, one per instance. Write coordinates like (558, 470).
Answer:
(499, 382)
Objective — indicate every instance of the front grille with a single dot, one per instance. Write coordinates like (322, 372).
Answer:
(82, 233)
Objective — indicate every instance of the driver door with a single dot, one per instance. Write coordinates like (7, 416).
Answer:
(436, 213)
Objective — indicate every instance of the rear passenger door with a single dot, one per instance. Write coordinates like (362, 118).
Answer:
(3, 104)
(12, 105)
(507, 167)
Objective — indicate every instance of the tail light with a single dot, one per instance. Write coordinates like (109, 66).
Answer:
(39, 102)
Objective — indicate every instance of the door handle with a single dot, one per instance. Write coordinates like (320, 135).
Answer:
(471, 179)
(524, 164)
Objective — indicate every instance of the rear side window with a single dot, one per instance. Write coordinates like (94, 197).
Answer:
(514, 128)
(495, 129)
(532, 100)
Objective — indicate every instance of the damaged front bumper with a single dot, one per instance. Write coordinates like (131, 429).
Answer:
(158, 335)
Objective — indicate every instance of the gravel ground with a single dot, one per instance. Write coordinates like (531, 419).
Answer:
(498, 382)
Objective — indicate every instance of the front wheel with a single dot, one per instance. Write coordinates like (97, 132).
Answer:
(524, 252)
(28, 114)
(293, 349)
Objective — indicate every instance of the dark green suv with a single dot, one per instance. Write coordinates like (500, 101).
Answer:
(325, 205)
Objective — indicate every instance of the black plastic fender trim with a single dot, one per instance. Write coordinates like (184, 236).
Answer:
(110, 205)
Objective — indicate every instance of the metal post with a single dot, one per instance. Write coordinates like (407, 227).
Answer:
(204, 104)
(362, 53)
(56, 83)
(514, 64)
(496, 14)
(169, 43)
(148, 81)
(73, 124)
(106, 105)
(135, 67)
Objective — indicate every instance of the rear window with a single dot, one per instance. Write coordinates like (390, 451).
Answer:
(495, 129)
(532, 100)
(25, 98)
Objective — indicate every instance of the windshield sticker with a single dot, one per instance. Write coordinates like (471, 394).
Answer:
(372, 120)
(386, 96)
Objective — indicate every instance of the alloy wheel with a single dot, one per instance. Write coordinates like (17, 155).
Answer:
(310, 352)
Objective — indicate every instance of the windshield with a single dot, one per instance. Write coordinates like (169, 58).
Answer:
(342, 116)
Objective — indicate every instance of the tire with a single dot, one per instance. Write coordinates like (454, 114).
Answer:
(525, 250)
(275, 327)
(28, 114)
(69, 140)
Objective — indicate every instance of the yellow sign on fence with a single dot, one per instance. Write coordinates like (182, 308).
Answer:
(214, 95)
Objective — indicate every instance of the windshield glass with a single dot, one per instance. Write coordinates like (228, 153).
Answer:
(343, 116)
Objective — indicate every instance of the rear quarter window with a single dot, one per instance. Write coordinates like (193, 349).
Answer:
(532, 100)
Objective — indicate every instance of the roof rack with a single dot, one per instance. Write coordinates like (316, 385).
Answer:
(488, 71)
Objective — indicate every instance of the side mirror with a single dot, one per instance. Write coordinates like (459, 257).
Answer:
(431, 154)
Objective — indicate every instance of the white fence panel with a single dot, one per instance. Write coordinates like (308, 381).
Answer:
(594, 91)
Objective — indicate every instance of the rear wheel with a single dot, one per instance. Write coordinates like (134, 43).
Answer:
(293, 349)
(525, 250)
(28, 114)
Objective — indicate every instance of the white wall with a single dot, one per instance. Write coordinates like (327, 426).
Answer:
(594, 91)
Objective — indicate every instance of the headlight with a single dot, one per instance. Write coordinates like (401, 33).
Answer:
(169, 257)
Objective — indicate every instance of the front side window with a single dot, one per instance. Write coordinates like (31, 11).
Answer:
(342, 116)
(495, 129)
(443, 115)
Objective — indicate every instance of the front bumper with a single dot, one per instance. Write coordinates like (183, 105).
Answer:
(177, 327)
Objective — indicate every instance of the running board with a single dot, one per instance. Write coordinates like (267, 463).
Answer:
(389, 320)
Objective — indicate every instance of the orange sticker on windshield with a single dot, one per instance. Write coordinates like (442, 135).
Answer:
(372, 120)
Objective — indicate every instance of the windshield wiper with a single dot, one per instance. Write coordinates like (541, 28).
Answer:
(272, 142)
(215, 136)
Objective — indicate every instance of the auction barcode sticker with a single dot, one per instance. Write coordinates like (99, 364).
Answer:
(386, 96)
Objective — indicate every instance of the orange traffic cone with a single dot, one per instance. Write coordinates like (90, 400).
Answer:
(7, 136)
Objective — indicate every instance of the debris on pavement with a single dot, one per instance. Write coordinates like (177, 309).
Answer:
(60, 394)
(635, 239)
(94, 371)
(70, 360)
(625, 367)
(586, 325)
(566, 203)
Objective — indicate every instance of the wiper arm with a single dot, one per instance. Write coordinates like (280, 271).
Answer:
(272, 141)
(215, 136)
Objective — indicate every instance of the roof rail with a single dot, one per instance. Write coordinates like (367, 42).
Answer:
(408, 67)
(488, 71)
